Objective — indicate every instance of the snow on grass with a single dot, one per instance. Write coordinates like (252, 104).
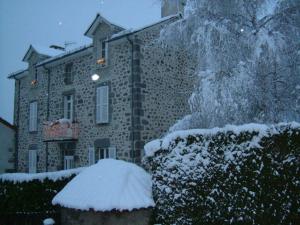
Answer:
(108, 185)
(27, 177)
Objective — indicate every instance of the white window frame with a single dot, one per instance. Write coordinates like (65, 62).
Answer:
(102, 104)
(68, 162)
(108, 153)
(67, 103)
(32, 161)
(33, 114)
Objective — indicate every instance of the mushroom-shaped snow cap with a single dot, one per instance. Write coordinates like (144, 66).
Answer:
(108, 185)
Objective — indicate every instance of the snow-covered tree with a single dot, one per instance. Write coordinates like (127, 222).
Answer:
(247, 60)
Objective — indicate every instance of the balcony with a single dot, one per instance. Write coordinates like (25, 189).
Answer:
(60, 131)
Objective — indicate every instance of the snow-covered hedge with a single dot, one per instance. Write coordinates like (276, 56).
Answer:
(246, 174)
(27, 193)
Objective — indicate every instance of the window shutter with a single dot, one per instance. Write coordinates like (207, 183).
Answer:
(65, 107)
(32, 161)
(91, 156)
(98, 106)
(102, 104)
(112, 152)
(72, 108)
(30, 117)
(106, 52)
(33, 116)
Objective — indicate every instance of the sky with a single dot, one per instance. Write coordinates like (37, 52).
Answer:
(46, 22)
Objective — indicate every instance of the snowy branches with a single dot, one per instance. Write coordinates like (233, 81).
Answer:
(247, 60)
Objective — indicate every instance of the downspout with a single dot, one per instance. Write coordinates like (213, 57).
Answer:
(48, 110)
(132, 107)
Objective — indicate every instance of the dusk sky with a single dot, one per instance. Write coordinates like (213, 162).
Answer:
(47, 22)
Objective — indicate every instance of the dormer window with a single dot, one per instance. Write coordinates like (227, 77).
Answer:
(68, 76)
(104, 53)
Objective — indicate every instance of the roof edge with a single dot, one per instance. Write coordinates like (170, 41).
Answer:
(15, 74)
(6, 123)
(88, 31)
(179, 16)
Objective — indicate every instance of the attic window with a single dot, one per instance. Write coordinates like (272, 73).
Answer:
(104, 54)
(68, 76)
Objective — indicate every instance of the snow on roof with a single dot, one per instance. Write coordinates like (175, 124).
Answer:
(46, 50)
(152, 147)
(108, 185)
(26, 177)
(16, 73)
(64, 54)
(131, 31)
(99, 19)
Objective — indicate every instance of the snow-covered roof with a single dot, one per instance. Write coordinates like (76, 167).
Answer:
(98, 20)
(108, 185)
(26, 177)
(65, 54)
(17, 74)
(40, 50)
(132, 31)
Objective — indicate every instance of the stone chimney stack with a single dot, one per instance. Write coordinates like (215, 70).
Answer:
(172, 7)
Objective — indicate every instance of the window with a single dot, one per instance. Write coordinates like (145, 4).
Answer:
(101, 153)
(32, 161)
(68, 162)
(104, 49)
(68, 107)
(105, 153)
(103, 53)
(69, 73)
(33, 116)
(102, 104)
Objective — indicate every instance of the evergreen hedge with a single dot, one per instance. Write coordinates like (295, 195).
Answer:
(26, 196)
(246, 174)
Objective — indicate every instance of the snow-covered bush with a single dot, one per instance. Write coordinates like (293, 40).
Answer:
(32, 193)
(246, 60)
(247, 174)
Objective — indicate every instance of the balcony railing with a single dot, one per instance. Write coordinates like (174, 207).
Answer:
(60, 130)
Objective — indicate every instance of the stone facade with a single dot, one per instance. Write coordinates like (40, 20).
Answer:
(76, 217)
(148, 92)
(7, 147)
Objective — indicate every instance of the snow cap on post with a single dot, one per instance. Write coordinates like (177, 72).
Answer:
(108, 185)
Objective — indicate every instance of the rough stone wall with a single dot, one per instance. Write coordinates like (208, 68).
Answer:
(75, 217)
(7, 147)
(145, 99)
(161, 88)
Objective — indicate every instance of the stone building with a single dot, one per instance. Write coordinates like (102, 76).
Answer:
(7, 146)
(106, 99)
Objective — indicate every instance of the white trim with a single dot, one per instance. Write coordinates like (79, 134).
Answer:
(68, 162)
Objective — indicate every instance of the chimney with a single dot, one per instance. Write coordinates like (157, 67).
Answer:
(172, 7)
